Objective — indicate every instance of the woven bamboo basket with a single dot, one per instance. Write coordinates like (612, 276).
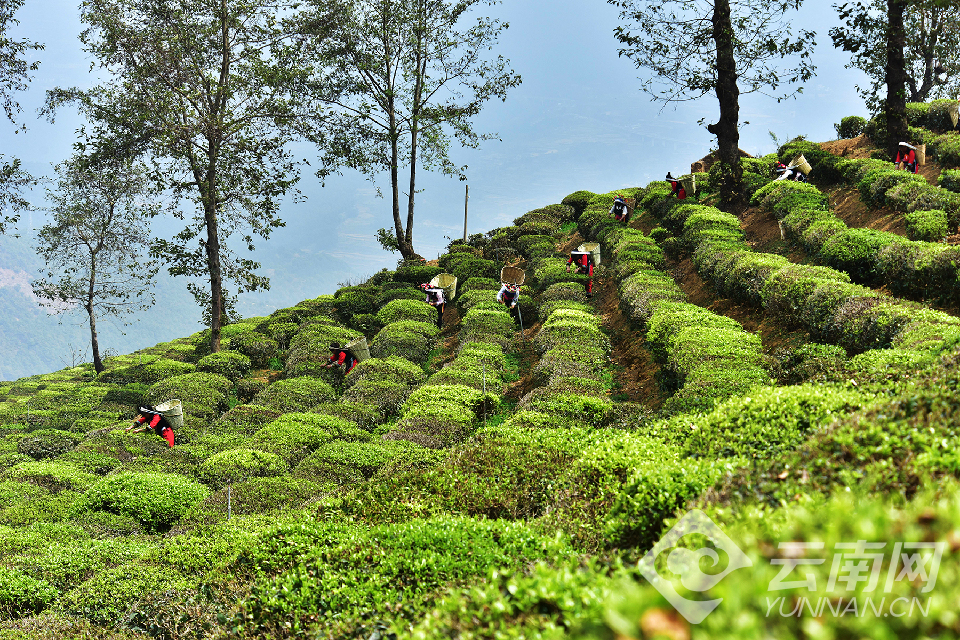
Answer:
(359, 348)
(921, 154)
(954, 111)
(512, 275)
(172, 410)
(801, 163)
(447, 282)
(689, 184)
(593, 248)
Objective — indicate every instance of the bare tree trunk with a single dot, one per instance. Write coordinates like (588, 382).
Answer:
(896, 75)
(94, 343)
(728, 94)
(212, 246)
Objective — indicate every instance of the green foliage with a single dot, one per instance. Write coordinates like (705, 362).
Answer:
(392, 368)
(54, 476)
(578, 200)
(229, 364)
(396, 310)
(22, 595)
(927, 226)
(47, 443)
(330, 566)
(950, 180)
(408, 339)
(239, 464)
(473, 267)
(850, 127)
(295, 394)
(417, 274)
(157, 500)
(256, 346)
(154, 370)
(204, 395)
(106, 597)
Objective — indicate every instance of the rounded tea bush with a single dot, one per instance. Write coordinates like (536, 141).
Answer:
(397, 310)
(850, 127)
(229, 364)
(156, 500)
(47, 443)
(22, 595)
(294, 435)
(240, 464)
(256, 346)
(295, 394)
(204, 395)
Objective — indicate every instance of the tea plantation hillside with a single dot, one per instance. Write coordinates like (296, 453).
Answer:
(483, 481)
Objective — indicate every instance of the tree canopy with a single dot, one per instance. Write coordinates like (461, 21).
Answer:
(690, 48)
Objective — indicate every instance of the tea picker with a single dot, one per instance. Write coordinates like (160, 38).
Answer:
(435, 298)
(620, 210)
(677, 187)
(511, 279)
(907, 158)
(585, 257)
(341, 356)
(162, 419)
(788, 172)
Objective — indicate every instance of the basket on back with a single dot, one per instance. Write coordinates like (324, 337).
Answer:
(631, 203)
(689, 183)
(954, 111)
(172, 410)
(359, 349)
(801, 163)
(593, 248)
(921, 154)
(447, 282)
(511, 275)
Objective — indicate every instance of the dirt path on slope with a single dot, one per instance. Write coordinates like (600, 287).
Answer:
(635, 370)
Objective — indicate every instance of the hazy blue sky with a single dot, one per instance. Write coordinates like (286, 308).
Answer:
(578, 121)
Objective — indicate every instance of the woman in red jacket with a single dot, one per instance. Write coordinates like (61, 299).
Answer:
(907, 154)
(341, 357)
(157, 422)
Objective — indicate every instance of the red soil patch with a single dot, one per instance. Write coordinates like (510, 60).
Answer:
(858, 148)
(847, 205)
(575, 241)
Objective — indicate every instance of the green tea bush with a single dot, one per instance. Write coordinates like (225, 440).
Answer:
(295, 394)
(386, 396)
(294, 436)
(347, 462)
(54, 476)
(157, 500)
(850, 127)
(310, 350)
(578, 201)
(416, 310)
(855, 252)
(408, 292)
(256, 346)
(229, 364)
(47, 443)
(770, 421)
(411, 340)
(204, 395)
(473, 267)
(150, 372)
(950, 180)
(415, 561)
(239, 464)
(106, 597)
(366, 323)
(244, 419)
(22, 595)
(927, 226)
(417, 274)
(478, 284)
(393, 368)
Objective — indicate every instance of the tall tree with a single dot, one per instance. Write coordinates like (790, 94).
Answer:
(901, 45)
(729, 48)
(207, 90)
(96, 246)
(408, 74)
(931, 47)
(14, 77)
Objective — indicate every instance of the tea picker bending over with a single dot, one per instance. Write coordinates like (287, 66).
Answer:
(509, 295)
(788, 173)
(906, 155)
(435, 298)
(157, 422)
(584, 267)
(341, 357)
(677, 186)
